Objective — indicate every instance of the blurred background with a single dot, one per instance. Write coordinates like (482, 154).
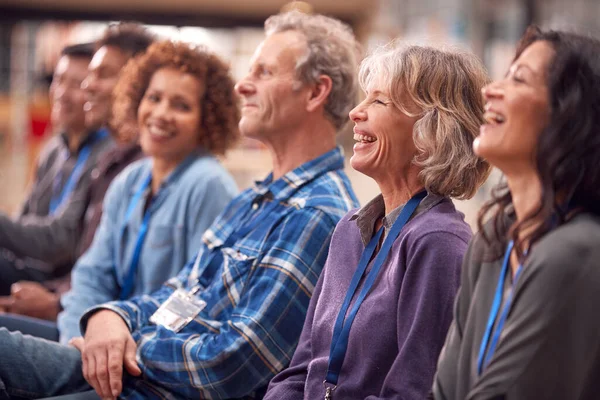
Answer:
(32, 33)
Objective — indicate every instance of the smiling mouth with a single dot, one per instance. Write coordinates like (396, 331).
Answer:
(493, 118)
(160, 133)
(364, 138)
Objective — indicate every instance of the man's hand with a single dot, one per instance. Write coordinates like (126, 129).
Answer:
(107, 346)
(5, 303)
(32, 299)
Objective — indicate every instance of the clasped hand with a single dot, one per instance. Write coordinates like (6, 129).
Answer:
(107, 347)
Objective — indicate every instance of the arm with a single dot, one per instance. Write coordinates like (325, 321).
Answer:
(289, 383)
(52, 239)
(448, 360)
(424, 313)
(205, 203)
(261, 333)
(548, 348)
(93, 280)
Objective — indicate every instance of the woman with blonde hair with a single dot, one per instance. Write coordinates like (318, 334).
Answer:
(382, 306)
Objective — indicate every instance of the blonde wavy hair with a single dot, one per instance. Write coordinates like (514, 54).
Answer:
(445, 87)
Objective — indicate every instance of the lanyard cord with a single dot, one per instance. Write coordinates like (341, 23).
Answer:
(343, 324)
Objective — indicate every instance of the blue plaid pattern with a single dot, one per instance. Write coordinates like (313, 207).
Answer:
(257, 290)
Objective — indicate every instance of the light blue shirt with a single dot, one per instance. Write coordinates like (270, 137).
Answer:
(186, 204)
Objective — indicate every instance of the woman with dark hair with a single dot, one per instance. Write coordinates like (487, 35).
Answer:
(180, 101)
(526, 320)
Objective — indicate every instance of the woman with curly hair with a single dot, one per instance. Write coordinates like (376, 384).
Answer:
(180, 101)
(526, 321)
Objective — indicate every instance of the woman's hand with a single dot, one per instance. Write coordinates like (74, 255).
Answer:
(107, 347)
(34, 300)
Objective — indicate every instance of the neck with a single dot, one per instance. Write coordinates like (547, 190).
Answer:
(526, 190)
(289, 150)
(161, 168)
(399, 189)
(74, 138)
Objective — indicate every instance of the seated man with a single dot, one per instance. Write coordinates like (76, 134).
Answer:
(232, 318)
(64, 166)
(62, 236)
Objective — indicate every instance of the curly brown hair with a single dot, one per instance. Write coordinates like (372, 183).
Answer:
(218, 102)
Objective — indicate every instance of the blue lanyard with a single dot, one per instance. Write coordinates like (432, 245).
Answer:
(341, 330)
(127, 287)
(484, 358)
(57, 200)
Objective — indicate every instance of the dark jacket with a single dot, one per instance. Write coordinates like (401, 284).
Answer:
(45, 242)
(549, 347)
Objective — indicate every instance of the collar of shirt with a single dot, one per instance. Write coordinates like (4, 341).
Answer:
(84, 142)
(174, 175)
(280, 190)
(367, 216)
(283, 188)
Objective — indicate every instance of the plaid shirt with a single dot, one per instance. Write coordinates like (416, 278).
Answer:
(257, 289)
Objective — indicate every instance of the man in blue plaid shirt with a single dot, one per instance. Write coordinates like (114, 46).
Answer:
(232, 318)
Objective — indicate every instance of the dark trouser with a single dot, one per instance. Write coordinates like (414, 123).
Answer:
(11, 273)
(91, 395)
(30, 326)
(33, 368)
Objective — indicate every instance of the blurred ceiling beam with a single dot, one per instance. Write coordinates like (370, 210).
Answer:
(208, 13)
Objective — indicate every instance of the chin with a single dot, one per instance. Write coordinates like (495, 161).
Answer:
(360, 166)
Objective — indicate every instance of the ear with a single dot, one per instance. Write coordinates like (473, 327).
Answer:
(317, 97)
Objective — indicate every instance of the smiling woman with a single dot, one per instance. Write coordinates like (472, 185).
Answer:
(179, 100)
(526, 320)
(383, 304)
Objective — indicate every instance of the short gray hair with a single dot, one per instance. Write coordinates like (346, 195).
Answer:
(445, 86)
(332, 51)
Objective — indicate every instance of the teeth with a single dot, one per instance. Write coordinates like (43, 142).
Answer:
(493, 117)
(364, 138)
(156, 131)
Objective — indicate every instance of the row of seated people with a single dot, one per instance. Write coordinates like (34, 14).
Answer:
(289, 290)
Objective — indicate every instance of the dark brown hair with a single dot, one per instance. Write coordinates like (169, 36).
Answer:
(81, 50)
(218, 128)
(567, 155)
(129, 37)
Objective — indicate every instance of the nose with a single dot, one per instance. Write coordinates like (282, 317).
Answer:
(58, 92)
(358, 113)
(89, 84)
(160, 110)
(492, 91)
(245, 87)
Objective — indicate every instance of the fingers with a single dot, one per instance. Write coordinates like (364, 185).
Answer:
(115, 370)
(102, 369)
(6, 302)
(130, 361)
(77, 343)
(102, 375)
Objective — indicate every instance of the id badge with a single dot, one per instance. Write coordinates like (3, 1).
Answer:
(179, 309)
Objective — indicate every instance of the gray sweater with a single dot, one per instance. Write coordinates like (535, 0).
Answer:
(550, 345)
(401, 325)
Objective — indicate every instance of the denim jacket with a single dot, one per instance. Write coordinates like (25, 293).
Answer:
(183, 208)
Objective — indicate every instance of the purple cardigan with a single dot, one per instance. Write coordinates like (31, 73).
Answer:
(401, 326)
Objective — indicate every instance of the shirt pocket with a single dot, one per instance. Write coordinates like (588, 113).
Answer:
(237, 267)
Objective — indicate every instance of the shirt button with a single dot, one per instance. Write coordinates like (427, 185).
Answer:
(255, 206)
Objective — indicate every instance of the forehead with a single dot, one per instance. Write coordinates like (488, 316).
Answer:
(537, 56)
(282, 49)
(71, 65)
(175, 82)
(108, 57)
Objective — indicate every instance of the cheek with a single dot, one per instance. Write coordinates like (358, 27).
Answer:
(189, 126)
